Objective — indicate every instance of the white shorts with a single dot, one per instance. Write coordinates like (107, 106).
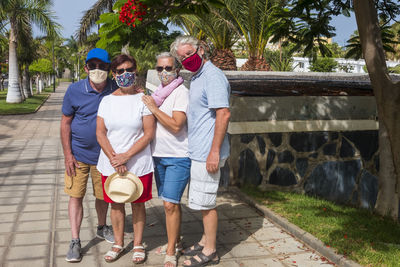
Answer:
(203, 186)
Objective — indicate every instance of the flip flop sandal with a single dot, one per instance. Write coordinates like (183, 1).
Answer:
(113, 255)
(204, 260)
(171, 259)
(192, 251)
(138, 255)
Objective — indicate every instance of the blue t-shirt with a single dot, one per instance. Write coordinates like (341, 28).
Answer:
(209, 90)
(81, 101)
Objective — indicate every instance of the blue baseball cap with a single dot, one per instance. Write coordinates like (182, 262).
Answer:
(98, 53)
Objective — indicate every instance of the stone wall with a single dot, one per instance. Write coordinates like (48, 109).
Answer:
(325, 146)
(338, 166)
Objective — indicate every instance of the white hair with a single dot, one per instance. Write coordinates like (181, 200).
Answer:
(186, 39)
(169, 55)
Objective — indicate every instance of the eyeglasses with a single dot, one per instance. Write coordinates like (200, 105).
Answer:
(120, 71)
(167, 68)
(181, 59)
(100, 66)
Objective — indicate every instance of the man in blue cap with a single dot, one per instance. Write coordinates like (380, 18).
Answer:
(80, 147)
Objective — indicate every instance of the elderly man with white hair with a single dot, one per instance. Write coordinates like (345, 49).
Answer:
(208, 119)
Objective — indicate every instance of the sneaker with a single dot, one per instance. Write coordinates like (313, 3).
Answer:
(106, 233)
(74, 252)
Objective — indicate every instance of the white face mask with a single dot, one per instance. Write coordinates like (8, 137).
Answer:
(98, 76)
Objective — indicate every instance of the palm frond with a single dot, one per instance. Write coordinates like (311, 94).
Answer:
(92, 15)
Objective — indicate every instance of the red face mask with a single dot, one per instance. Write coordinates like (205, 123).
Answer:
(193, 63)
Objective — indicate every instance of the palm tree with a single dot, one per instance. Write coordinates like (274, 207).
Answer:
(254, 21)
(396, 29)
(92, 15)
(189, 26)
(26, 55)
(213, 26)
(3, 65)
(21, 14)
(388, 41)
(73, 48)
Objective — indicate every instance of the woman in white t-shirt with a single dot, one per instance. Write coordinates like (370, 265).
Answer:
(170, 148)
(125, 128)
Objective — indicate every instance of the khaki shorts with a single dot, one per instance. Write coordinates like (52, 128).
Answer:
(203, 186)
(75, 186)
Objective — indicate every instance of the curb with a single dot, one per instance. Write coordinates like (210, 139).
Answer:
(299, 233)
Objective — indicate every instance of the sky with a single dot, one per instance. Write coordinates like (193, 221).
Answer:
(69, 13)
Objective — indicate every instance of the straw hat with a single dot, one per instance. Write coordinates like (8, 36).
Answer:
(123, 188)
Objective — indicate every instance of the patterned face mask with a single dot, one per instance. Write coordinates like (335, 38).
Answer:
(167, 76)
(127, 79)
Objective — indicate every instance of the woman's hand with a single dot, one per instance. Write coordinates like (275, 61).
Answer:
(119, 159)
(150, 103)
(120, 169)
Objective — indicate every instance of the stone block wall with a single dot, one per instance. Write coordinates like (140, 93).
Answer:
(338, 166)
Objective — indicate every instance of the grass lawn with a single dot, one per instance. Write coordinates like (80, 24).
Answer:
(28, 106)
(362, 236)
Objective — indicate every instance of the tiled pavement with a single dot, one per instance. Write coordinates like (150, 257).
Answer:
(34, 227)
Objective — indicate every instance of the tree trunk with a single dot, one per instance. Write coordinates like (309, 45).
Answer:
(26, 83)
(14, 92)
(257, 64)
(21, 78)
(387, 202)
(387, 95)
(224, 59)
(40, 84)
(31, 85)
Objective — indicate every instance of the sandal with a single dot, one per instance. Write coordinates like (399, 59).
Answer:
(171, 259)
(138, 255)
(204, 260)
(192, 251)
(162, 250)
(112, 255)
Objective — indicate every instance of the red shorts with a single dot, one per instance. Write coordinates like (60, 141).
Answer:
(146, 195)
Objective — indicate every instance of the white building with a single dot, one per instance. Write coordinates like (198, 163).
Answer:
(302, 64)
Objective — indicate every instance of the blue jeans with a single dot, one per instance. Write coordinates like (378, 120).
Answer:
(172, 176)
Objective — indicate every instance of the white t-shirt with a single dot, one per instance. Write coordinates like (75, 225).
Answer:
(123, 119)
(165, 143)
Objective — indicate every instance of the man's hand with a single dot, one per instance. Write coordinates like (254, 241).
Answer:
(70, 165)
(212, 163)
(119, 159)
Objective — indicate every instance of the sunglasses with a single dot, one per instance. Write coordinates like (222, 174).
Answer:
(121, 71)
(93, 66)
(167, 68)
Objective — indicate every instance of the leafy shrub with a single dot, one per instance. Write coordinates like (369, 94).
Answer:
(395, 69)
(279, 60)
(324, 64)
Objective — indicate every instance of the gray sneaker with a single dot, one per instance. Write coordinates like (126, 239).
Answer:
(106, 232)
(74, 252)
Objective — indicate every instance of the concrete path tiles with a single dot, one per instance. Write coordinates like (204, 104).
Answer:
(34, 226)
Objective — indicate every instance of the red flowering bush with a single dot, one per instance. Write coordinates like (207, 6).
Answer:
(132, 12)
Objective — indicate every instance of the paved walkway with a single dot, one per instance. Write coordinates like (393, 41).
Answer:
(34, 227)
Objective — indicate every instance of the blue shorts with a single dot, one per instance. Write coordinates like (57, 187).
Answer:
(172, 176)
